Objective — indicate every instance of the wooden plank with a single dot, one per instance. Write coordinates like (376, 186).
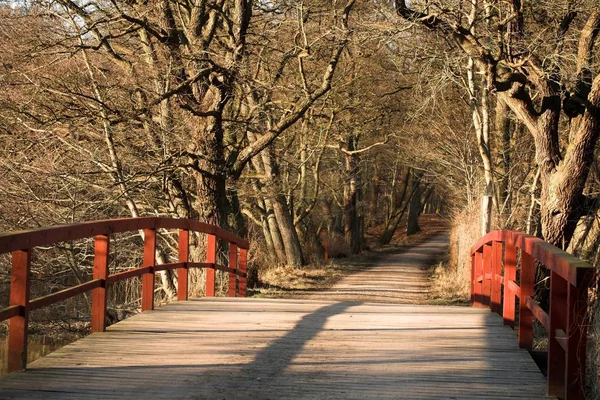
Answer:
(256, 348)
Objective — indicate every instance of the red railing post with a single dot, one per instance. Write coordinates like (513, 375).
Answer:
(476, 291)
(243, 260)
(211, 258)
(231, 288)
(558, 320)
(576, 336)
(148, 277)
(486, 287)
(496, 300)
(527, 290)
(182, 272)
(510, 274)
(99, 295)
(19, 296)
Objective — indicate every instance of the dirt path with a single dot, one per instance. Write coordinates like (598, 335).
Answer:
(401, 278)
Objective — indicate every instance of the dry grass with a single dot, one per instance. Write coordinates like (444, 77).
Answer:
(451, 278)
(285, 281)
(449, 286)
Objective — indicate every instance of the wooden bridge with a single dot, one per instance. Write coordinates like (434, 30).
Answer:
(238, 348)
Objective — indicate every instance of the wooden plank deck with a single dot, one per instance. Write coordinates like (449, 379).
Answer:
(296, 349)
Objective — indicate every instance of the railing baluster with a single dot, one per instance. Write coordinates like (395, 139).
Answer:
(148, 277)
(182, 272)
(577, 304)
(231, 289)
(527, 289)
(243, 268)
(211, 257)
(486, 287)
(99, 295)
(566, 320)
(496, 305)
(558, 320)
(510, 274)
(477, 293)
(19, 296)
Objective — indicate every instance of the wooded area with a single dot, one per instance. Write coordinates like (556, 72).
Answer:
(292, 121)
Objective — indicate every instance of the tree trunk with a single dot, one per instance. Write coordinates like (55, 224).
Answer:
(414, 209)
(504, 128)
(281, 210)
(352, 232)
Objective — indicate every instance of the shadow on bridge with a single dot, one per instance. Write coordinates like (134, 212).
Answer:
(270, 349)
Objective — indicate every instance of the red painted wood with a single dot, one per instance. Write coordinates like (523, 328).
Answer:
(99, 295)
(46, 236)
(243, 260)
(182, 272)
(516, 289)
(527, 289)
(538, 312)
(478, 286)
(557, 320)
(473, 280)
(211, 257)
(510, 274)
(486, 287)
(9, 312)
(496, 300)
(132, 273)
(576, 337)
(169, 266)
(64, 294)
(19, 296)
(200, 265)
(148, 277)
(563, 263)
(231, 289)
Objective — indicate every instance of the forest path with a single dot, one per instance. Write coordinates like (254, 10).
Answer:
(401, 277)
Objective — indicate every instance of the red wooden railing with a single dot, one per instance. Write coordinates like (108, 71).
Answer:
(494, 284)
(21, 245)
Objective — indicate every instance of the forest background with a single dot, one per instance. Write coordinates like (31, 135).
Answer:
(291, 121)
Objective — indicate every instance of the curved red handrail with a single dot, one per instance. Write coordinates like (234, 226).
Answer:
(46, 236)
(566, 265)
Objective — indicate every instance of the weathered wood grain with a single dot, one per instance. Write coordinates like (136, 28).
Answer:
(295, 349)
